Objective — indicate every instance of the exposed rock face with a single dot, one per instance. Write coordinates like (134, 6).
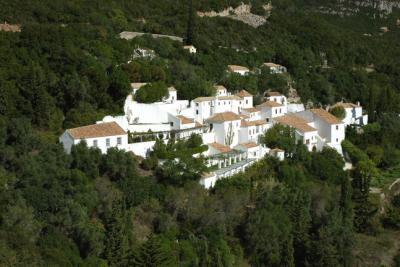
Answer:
(241, 13)
(385, 6)
(349, 7)
(5, 27)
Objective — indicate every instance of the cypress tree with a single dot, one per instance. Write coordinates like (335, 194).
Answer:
(191, 24)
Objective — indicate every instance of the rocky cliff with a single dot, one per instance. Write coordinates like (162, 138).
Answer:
(241, 13)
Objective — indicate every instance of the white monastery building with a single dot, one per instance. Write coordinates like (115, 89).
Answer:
(238, 69)
(228, 123)
(275, 68)
(190, 48)
(354, 114)
(102, 136)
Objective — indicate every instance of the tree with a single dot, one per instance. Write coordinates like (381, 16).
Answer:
(280, 136)
(191, 24)
(268, 232)
(153, 254)
(117, 243)
(363, 210)
(152, 92)
(338, 112)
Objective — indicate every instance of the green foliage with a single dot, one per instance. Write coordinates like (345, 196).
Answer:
(67, 68)
(280, 136)
(152, 92)
(338, 112)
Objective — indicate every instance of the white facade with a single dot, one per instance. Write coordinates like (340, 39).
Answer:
(102, 136)
(190, 48)
(275, 68)
(354, 114)
(228, 123)
(241, 70)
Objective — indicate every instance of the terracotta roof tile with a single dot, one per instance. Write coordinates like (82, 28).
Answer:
(184, 120)
(345, 105)
(273, 93)
(221, 148)
(250, 110)
(243, 93)
(248, 144)
(326, 116)
(96, 130)
(271, 65)
(229, 97)
(237, 68)
(224, 116)
(204, 98)
(270, 104)
(295, 122)
(277, 150)
(171, 88)
(137, 85)
(245, 123)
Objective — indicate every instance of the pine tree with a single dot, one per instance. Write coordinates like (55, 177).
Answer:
(152, 254)
(363, 210)
(299, 204)
(346, 210)
(117, 245)
(191, 24)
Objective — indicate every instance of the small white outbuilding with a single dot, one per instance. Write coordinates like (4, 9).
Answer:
(103, 136)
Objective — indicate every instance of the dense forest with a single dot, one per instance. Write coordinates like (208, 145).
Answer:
(68, 67)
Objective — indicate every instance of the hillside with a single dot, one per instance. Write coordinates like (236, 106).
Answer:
(64, 65)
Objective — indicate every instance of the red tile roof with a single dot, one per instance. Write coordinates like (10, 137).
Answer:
(96, 130)
(221, 148)
(345, 105)
(224, 116)
(326, 116)
(248, 144)
(295, 122)
(243, 93)
(251, 110)
(270, 104)
(184, 120)
(252, 123)
(237, 68)
(272, 93)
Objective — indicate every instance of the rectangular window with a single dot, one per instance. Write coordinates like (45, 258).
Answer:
(276, 111)
(108, 142)
(337, 127)
(247, 101)
(119, 141)
(95, 143)
(197, 104)
(307, 141)
(337, 140)
(197, 112)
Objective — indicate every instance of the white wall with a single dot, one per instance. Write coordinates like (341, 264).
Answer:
(208, 137)
(141, 149)
(68, 142)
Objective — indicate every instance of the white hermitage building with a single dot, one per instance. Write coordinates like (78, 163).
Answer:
(354, 114)
(228, 123)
